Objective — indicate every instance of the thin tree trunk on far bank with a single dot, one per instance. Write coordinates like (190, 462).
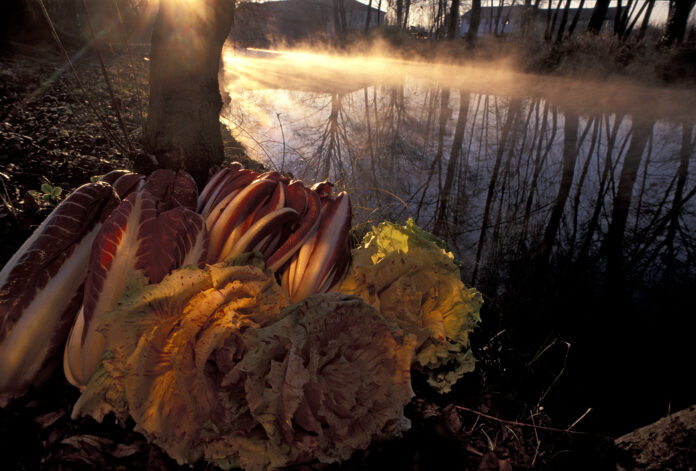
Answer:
(646, 20)
(183, 126)
(453, 24)
(622, 202)
(679, 11)
(440, 226)
(475, 21)
(570, 156)
(598, 14)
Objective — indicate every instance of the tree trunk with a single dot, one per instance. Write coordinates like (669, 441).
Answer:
(596, 135)
(437, 160)
(399, 12)
(632, 24)
(598, 14)
(646, 20)
(687, 150)
(441, 217)
(340, 21)
(576, 17)
(605, 182)
(564, 21)
(679, 11)
(453, 20)
(540, 160)
(622, 203)
(510, 123)
(367, 18)
(551, 26)
(475, 21)
(182, 130)
(617, 18)
(570, 156)
(342, 17)
(407, 10)
(526, 16)
(499, 12)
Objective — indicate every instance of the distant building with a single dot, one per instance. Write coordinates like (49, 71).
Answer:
(508, 19)
(294, 20)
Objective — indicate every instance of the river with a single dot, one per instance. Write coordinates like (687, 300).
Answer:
(570, 203)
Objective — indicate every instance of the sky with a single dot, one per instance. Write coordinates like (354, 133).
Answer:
(659, 14)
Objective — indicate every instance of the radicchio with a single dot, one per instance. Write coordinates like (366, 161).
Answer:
(41, 287)
(152, 232)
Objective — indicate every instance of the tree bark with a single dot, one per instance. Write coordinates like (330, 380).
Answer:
(436, 165)
(182, 130)
(679, 11)
(453, 20)
(605, 182)
(439, 228)
(407, 10)
(622, 203)
(646, 20)
(475, 21)
(399, 12)
(598, 14)
(687, 150)
(527, 16)
(510, 123)
(570, 156)
(564, 21)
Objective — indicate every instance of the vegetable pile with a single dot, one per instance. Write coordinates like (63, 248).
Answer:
(232, 325)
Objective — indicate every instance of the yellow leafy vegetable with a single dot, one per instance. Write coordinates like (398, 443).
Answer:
(409, 276)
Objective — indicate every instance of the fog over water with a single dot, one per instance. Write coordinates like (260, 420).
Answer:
(488, 158)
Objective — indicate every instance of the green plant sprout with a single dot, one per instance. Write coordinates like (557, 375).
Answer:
(48, 193)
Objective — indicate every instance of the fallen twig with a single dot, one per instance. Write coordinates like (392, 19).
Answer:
(523, 424)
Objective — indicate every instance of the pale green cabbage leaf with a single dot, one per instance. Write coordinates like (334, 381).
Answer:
(409, 276)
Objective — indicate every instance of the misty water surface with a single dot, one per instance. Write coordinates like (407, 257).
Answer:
(499, 164)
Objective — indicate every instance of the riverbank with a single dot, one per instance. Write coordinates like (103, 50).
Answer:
(581, 56)
(50, 135)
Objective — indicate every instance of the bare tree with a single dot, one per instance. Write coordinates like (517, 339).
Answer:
(570, 156)
(183, 126)
(437, 160)
(646, 19)
(475, 21)
(508, 126)
(622, 201)
(453, 23)
(604, 184)
(445, 192)
(685, 154)
(564, 21)
(599, 13)
(576, 18)
(675, 28)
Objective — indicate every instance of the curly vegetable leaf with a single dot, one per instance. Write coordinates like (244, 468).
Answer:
(170, 347)
(319, 386)
(407, 274)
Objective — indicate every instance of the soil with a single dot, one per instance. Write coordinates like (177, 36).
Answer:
(492, 420)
